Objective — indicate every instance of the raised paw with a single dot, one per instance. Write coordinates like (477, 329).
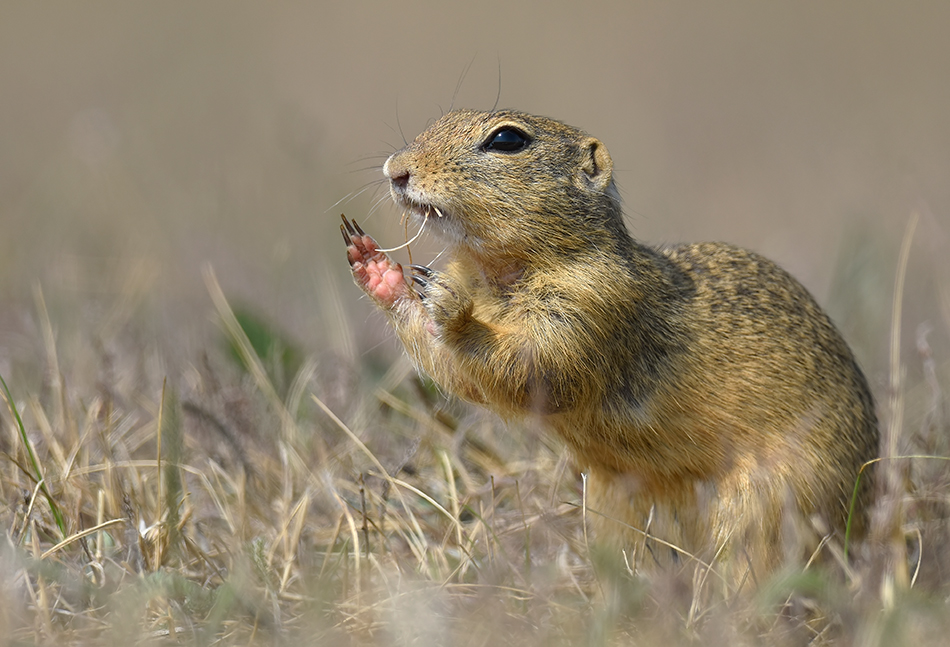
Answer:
(447, 304)
(378, 275)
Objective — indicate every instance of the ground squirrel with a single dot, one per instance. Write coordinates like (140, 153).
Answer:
(700, 386)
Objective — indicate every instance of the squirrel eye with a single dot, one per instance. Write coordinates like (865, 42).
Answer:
(506, 140)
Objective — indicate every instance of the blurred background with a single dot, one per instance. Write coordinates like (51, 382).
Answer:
(140, 141)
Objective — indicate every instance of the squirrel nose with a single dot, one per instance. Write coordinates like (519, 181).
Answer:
(400, 181)
(398, 174)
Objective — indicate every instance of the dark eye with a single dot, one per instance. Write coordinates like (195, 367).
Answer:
(506, 140)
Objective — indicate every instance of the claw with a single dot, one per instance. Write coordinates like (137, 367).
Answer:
(346, 238)
(348, 227)
(422, 269)
(420, 281)
(352, 228)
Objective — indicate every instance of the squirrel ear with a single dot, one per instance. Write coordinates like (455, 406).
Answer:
(596, 163)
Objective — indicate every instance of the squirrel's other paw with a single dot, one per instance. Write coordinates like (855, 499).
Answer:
(447, 303)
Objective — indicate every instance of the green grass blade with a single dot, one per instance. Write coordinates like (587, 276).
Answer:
(37, 473)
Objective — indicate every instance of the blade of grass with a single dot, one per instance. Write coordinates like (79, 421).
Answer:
(418, 545)
(857, 484)
(80, 535)
(239, 338)
(896, 399)
(37, 472)
(158, 442)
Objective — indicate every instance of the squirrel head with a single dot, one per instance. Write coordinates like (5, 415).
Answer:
(508, 185)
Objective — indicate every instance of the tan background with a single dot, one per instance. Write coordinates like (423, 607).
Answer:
(140, 140)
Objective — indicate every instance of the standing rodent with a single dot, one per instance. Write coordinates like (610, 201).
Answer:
(700, 385)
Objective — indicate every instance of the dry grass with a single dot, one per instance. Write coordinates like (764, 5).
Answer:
(266, 497)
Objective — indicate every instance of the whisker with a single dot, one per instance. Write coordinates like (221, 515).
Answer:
(398, 123)
(437, 256)
(381, 155)
(458, 86)
(354, 194)
(375, 168)
(498, 96)
(340, 201)
(380, 200)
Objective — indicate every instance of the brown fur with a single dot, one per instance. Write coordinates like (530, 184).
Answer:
(700, 385)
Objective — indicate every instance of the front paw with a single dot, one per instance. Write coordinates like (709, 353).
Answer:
(444, 298)
(378, 275)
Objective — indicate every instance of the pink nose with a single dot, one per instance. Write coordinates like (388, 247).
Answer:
(400, 181)
(397, 173)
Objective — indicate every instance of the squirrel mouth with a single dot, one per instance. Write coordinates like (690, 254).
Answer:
(422, 211)
(435, 219)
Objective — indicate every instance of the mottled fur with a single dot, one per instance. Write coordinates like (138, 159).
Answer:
(701, 386)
